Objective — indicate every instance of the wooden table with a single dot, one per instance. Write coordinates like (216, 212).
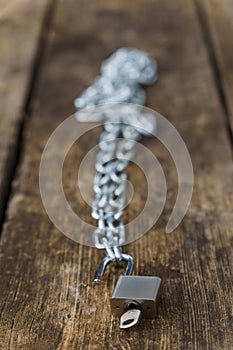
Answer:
(50, 51)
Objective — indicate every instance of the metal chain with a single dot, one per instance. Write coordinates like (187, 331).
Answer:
(110, 183)
(122, 75)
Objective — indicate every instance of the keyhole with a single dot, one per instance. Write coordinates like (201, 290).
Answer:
(128, 321)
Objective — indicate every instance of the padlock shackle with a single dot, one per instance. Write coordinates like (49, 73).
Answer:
(124, 257)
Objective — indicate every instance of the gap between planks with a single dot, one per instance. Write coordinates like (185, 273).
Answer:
(214, 64)
(25, 112)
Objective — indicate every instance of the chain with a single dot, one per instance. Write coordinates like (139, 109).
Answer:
(121, 80)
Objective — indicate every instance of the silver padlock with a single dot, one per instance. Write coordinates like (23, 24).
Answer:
(135, 297)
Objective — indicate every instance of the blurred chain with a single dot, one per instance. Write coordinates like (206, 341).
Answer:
(122, 75)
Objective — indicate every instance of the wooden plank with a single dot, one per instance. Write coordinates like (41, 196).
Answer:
(217, 21)
(48, 300)
(20, 23)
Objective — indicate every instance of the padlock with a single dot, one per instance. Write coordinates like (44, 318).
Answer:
(135, 297)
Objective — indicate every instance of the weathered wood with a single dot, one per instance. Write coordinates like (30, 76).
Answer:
(217, 18)
(48, 300)
(20, 27)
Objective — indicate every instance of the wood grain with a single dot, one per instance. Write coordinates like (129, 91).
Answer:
(217, 18)
(21, 22)
(48, 299)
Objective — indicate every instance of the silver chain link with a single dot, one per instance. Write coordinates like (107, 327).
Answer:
(122, 75)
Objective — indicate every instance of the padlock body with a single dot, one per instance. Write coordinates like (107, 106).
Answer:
(142, 289)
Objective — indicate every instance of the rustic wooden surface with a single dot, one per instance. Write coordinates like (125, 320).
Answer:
(47, 297)
(216, 17)
(21, 24)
